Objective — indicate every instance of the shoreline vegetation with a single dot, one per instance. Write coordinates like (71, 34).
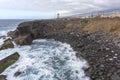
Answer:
(96, 40)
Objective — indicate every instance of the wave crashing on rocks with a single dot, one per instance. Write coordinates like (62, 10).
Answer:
(45, 60)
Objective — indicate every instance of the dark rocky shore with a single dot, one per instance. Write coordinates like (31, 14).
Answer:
(95, 40)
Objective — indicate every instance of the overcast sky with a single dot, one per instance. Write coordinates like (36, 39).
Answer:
(49, 8)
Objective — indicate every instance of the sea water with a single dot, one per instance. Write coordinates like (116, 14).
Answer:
(44, 59)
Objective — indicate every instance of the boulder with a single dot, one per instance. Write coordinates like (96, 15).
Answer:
(17, 73)
(7, 44)
(6, 62)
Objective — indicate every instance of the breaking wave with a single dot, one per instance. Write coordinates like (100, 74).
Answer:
(45, 60)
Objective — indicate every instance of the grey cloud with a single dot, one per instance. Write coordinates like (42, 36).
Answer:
(71, 6)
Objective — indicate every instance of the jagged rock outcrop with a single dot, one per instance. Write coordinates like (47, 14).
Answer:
(42, 28)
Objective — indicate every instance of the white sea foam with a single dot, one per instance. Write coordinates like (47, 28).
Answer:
(45, 60)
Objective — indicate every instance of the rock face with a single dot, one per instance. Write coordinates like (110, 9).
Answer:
(6, 62)
(40, 29)
(98, 45)
(7, 44)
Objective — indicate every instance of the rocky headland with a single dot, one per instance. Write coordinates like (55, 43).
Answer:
(96, 40)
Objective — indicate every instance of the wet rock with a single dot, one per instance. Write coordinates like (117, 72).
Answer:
(17, 73)
(24, 40)
(2, 37)
(7, 44)
(6, 62)
(3, 77)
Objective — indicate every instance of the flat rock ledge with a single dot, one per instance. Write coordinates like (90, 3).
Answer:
(6, 62)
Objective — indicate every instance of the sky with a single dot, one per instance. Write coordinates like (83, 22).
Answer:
(40, 9)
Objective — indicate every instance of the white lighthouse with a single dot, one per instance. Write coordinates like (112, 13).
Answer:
(58, 15)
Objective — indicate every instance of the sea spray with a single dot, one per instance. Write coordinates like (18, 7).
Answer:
(45, 60)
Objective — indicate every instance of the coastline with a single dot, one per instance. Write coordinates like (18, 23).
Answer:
(99, 48)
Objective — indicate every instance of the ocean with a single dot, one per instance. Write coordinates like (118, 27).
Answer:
(44, 59)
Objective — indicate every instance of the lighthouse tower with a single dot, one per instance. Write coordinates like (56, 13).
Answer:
(58, 15)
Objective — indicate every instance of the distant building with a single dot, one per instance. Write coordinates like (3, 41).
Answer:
(78, 16)
(101, 15)
(115, 15)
